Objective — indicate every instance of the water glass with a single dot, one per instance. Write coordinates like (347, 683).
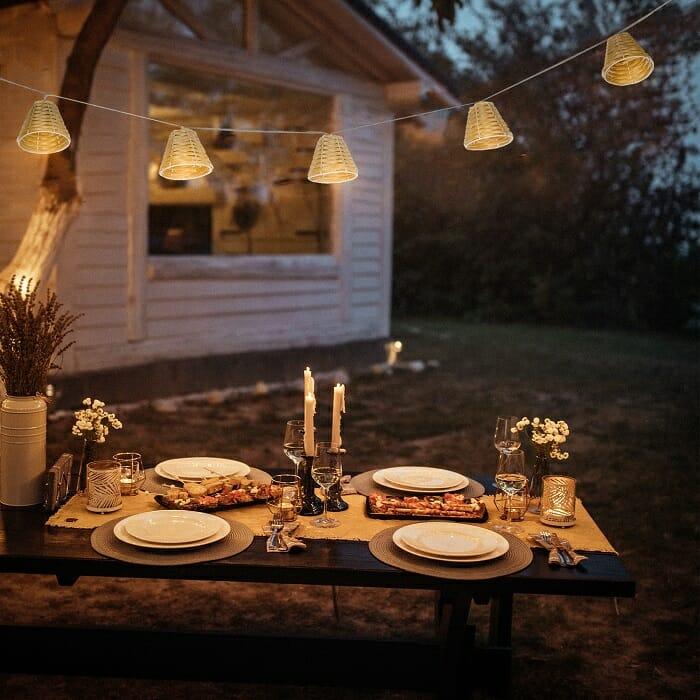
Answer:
(558, 504)
(132, 474)
(285, 497)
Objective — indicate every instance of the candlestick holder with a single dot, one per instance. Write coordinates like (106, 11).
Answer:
(311, 504)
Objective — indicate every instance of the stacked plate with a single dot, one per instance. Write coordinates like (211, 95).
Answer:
(420, 479)
(451, 542)
(198, 468)
(171, 529)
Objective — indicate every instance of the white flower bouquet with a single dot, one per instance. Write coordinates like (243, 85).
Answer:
(547, 435)
(93, 422)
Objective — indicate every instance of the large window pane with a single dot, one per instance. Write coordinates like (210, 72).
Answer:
(258, 200)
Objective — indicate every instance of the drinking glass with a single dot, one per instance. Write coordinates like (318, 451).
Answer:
(132, 473)
(285, 496)
(511, 479)
(293, 444)
(506, 437)
(326, 471)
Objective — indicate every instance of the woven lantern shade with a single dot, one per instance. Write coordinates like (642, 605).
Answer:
(184, 157)
(43, 130)
(332, 161)
(486, 129)
(626, 62)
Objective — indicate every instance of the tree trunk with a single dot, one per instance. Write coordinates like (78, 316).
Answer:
(58, 202)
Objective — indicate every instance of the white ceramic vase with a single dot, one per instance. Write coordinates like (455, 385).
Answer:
(22, 450)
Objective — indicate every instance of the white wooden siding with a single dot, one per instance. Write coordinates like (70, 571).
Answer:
(129, 318)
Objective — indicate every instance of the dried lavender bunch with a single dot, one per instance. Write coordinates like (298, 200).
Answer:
(32, 337)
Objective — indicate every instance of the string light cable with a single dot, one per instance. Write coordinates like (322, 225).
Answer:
(44, 131)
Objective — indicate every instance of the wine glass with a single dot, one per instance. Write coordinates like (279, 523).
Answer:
(506, 437)
(511, 479)
(326, 471)
(293, 444)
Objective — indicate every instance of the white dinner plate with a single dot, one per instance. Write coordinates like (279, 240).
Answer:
(172, 526)
(423, 477)
(449, 539)
(121, 534)
(198, 468)
(379, 478)
(501, 548)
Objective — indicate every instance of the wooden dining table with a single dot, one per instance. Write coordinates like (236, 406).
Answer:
(441, 663)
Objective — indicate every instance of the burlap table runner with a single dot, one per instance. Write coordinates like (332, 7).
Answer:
(355, 525)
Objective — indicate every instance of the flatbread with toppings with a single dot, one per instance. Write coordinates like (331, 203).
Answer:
(217, 493)
(450, 506)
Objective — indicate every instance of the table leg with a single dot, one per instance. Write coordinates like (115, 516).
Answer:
(66, 579)
(455, 637)
(500, 627)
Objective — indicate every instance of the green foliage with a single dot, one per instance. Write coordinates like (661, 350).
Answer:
(591, 215)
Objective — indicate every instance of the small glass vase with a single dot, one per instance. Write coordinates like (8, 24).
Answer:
(540, 469)
(89, 454)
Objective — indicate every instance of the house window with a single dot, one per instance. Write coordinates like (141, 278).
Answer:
(258, 200)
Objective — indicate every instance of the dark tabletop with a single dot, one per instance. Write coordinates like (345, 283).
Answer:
(28, 546)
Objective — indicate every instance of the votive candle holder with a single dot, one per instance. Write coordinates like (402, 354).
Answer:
(558, 505)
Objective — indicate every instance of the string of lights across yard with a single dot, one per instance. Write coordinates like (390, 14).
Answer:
(184, 158)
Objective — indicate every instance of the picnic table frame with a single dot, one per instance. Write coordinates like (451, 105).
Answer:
(28, 546)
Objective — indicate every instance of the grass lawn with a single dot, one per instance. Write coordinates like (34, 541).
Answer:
(632, 403)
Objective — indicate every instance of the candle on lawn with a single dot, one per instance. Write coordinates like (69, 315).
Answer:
(338, 408)
(309, 410)
(393, 349)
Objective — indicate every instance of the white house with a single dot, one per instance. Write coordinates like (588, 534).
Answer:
(253, 257)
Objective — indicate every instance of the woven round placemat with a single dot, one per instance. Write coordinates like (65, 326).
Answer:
(157, 484)
(365, 484)
(104, 542)
(518, 557)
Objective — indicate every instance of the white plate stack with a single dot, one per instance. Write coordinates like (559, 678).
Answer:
(171, 529)
(451, 542)
(420, 479)
(199, 468)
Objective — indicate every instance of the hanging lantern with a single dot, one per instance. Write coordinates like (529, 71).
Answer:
(626, 62)
(486, 129)
(43, 130)
(184, 157)
(332, 161)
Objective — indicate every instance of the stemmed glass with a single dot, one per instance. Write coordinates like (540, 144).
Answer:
(294, 442)
(326, 471)
(506, 437)
(284, 503)
(511, 479)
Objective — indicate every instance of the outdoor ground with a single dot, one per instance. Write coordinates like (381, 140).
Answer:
(632, 403)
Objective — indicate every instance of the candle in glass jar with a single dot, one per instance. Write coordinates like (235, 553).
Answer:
(338, 408)
(309, 410)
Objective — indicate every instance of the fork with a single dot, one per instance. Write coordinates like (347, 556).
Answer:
(575, 557)
(548, 538)
(276, 542)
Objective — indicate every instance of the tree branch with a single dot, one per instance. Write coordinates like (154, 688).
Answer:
(60, 173)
